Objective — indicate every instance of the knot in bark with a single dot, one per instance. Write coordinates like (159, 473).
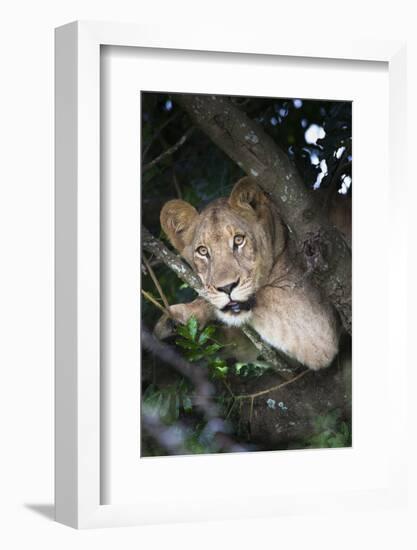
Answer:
(316, 251)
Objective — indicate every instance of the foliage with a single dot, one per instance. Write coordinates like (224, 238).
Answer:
(172, 405)
(330, 431)
(253, 369)
(200, 345)
(313, 133)
(167, 402)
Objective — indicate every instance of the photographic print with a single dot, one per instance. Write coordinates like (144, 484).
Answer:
(246, 322)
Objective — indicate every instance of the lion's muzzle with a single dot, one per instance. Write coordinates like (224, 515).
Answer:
(236, 307)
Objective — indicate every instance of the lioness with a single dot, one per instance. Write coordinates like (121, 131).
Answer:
(238, 247)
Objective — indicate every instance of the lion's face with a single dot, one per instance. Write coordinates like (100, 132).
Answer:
(232, 245)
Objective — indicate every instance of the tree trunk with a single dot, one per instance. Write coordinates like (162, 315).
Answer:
(288, 415)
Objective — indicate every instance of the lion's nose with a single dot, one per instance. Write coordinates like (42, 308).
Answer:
(227, 289)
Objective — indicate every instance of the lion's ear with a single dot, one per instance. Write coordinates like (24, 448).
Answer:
(247, 195)
(177, 218)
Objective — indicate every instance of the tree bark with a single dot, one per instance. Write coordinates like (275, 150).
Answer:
(288, 414)
(154, 246)
(320, 247)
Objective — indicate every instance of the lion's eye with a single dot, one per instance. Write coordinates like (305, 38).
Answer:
(238, 240)
(202, 250)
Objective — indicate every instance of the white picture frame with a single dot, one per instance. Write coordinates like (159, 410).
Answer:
(78, 404)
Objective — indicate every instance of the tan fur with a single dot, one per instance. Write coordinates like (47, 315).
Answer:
(287, 311)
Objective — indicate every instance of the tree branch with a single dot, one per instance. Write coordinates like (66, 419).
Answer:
(158, 133)
(170, 151)
(253, 396)
(156, 282)
(151, 299)
(157, 248)
(322, 249)
(270, 355)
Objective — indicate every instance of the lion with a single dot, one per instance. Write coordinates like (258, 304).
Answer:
(238, 246)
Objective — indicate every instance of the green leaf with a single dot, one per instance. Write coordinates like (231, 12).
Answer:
(206, 334)
(195, 356)
(192, 326)
(239, 367)
(154, 404)
(217, 362)
(150, 390)
(344, 428)
(164, 409)
(213, 348)
(177, 406)
(185, 344)
(337, 441)
(187, 403)
(221, 372)
(251, 370)
(183, 331)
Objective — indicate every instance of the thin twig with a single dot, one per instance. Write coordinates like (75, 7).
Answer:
(170, 151)
(252, 399)
(176, 185)
(156, 282)
(229, 412)
(158, 132)
(253, 396)
(229, 389)
(273, 388)
(155, 303)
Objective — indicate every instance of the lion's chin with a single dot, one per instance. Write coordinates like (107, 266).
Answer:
(234, 319)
